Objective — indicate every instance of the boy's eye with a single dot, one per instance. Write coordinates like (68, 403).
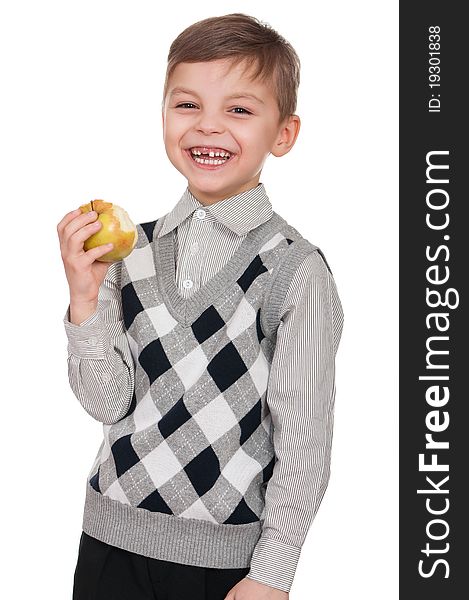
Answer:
(241, 108)
(184, 104)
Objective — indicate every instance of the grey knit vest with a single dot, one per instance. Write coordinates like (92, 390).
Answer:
(182, 476)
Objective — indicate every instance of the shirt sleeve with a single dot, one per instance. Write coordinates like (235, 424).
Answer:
(101, 368)
(300, 396)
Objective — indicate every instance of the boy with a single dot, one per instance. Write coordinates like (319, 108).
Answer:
(208, 353)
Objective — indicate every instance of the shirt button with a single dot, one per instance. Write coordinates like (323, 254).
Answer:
(106, 376)
(187, 283)
(200, 213)
(93, 341)
(195, 247)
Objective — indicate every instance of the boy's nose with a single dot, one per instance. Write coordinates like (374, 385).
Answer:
(209, 125)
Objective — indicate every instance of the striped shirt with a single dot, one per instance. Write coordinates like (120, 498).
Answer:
(301, 382)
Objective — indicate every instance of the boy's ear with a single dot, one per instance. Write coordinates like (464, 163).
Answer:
(287, 135)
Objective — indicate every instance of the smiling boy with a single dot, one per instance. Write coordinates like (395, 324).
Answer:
(218, 338)
(217, 105)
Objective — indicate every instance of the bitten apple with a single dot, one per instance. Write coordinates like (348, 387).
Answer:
(117, 228)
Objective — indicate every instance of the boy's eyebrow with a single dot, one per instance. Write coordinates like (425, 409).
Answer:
(181, 90)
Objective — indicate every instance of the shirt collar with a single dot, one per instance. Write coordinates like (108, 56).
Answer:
(240, 213)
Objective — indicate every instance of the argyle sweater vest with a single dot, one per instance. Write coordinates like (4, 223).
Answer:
(182, 476)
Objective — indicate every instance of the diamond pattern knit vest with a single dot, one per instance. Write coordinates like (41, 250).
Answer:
(186, 468)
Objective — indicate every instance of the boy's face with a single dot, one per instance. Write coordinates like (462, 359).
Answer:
(200, 111)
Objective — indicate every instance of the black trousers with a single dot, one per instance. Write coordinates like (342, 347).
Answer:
(105, 572)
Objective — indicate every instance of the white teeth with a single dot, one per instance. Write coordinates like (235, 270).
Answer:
(210, 161)
(212, 153)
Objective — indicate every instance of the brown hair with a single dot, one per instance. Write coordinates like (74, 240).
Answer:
(240, 37)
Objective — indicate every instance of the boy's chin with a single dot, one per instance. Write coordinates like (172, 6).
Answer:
(212, 189)
(210, 181)
(213, 193)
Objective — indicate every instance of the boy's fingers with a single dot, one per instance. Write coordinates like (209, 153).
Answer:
(68, 234)
(66, 220)
(77, 238)
(93, 253)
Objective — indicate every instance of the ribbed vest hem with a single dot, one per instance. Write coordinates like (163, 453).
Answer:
(168, 537)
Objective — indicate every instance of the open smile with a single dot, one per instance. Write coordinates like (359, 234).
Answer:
(207, 162)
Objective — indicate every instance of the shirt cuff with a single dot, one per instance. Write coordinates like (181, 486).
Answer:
(90, 339)
(274, 563)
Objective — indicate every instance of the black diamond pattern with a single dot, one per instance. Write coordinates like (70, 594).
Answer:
(148, 228)
(207, 324)
(250, 422)
(226, 367)
(94, 481)
(255, 269)
(131, 304)
(154, 360)
(242, 514)
(155, 503)
(268, 470)
(176, 416)
(203, 471)
(124, 455)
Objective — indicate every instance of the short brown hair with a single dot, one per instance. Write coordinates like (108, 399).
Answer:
(240, 38)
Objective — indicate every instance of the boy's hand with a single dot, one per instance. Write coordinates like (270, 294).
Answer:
(84, 273)
(248, 589)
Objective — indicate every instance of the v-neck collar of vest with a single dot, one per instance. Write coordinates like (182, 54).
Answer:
(187, 310)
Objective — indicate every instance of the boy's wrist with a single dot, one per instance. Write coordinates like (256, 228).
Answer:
(80, 310)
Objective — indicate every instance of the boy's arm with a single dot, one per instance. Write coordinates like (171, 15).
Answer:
(300, 395)
(101, 370)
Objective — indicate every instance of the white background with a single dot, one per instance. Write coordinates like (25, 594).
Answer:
(80, 119)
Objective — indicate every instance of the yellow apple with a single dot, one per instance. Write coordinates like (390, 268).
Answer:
(117, 228)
